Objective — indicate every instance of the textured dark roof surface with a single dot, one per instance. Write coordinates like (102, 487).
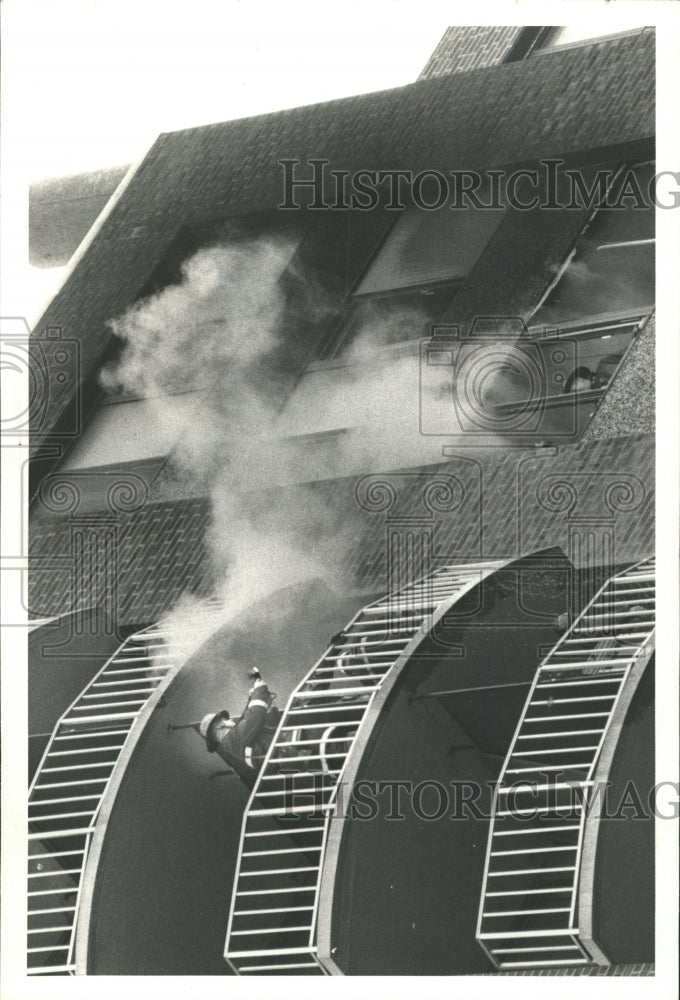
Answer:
(161, 551)
(462, 49)
(589, 98)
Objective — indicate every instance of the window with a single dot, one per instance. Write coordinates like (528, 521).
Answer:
(611, 269)
(549, 387)
(576, 366)
(414, 276)
(218, 232)
(496, 389)
(124, 430)
(201, 325)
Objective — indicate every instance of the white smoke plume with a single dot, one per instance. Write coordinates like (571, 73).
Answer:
(213, 333)
(187, 626)
(207, 332)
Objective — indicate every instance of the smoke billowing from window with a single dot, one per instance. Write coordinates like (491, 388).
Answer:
(215, 333)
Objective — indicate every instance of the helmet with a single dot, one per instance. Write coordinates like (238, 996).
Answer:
(206, 728)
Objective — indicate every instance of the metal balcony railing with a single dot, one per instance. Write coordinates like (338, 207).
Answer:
(536, 901)
(70, 783)
(77, 780)
(272, 925)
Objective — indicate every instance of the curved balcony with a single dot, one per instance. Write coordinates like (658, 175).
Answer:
(74, 789)
(275, 901)
(372, 705)
(537, 906)
(73, 785)
(290, 851)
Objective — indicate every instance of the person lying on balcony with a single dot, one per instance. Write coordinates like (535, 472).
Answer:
(243, 742)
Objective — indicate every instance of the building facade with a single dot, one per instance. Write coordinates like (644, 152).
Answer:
(300, 361)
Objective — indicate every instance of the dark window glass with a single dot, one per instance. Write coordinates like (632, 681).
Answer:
(393, 317)
(427, 247)
(612, 267)
(415, 275)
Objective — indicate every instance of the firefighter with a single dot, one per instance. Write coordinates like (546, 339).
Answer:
(243, 742)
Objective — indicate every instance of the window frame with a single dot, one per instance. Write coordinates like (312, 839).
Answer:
(618, 173)
(617, 322)
(340, 332)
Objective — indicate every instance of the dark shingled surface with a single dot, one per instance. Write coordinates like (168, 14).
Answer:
(462, 49)
(595, 97)
(160, 548)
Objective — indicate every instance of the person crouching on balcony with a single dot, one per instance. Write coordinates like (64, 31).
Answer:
(242, 743)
